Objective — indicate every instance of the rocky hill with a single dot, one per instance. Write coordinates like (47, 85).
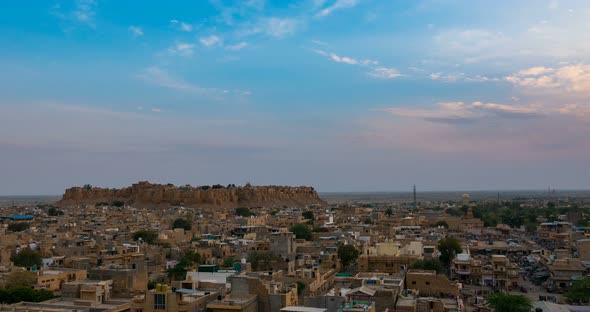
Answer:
(148, 194)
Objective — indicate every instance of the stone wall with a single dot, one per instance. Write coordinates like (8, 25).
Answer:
(145, 193)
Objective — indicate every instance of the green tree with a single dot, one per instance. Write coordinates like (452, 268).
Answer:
(177, 272)
(117, 203)
(52, 211)
(347, 254)
(243, 212)
(302, 231)
(579, 292)
(191, 258)
(442, 223)
(87, 187)
(148, 236)
(389, 211)
(428, 264)
(18, 294)
(308, 215)
(18, 226)
(502, 302)
(228, 262)
(27, 258)
(182, 223)
(261, 260)
(448, 247)
(368, 221)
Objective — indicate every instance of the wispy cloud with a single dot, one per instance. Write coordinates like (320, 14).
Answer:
(280, 27)
(160, 77)
(182, 49)
(375, 70)
(135, 31)
(211, 41)
(156, 75)
(156, 110)
(459, 112)
(182, 26)
(337, 5)
(457, 77)
(384, 73)
(237, 46)
(320, 43)
(85, 11)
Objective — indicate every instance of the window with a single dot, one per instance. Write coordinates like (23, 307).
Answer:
(427, 283)
(413, 282)
(159, 301)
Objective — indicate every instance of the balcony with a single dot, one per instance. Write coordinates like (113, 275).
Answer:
(463, 271)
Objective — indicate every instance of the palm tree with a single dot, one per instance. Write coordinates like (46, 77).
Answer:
(502, 302)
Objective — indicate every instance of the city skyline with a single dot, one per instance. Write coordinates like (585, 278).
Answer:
(341, 95)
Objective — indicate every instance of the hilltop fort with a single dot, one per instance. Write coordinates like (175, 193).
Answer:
(231, 196)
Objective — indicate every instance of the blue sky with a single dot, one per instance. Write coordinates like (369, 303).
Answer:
(344, 95)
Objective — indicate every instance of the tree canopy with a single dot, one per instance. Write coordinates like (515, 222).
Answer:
(302, 231)
(347, 254)
(442, 223)
(243, 212)
(148, 236)
(190, 259)
(18, 226)
(448, 247)
(182, 223)
(502, 302)
(389, 211)
(579, 292)
(18, 294)
(428, 264)
(308, 215)
(261, 260)
(52, 211)
(27, 258)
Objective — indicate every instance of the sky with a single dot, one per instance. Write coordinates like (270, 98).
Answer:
(342, 95)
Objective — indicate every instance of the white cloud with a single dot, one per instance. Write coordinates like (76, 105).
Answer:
(186, 27)
(135, 31)
(321, 43)
(375, 70)
(572, 79)
(85, 11)
(156, 110)
(182, 26)
(182, 49)
(210, 41)
(352, 61)
(280, 27)
(455, 77)
(384, 73)
(237, 46)
(337, 5)
(158, 76)
(459, 112)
